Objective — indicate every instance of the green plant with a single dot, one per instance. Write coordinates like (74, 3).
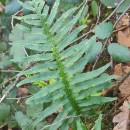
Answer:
(58, 57)
(114, 3)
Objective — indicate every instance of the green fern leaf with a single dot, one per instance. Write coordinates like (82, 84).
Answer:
(60, 59)
(98, 123)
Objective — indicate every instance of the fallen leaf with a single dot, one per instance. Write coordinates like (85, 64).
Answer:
(123, 39)
(1, 7)
(123, 36)
(126, 69)
(51, 118)
(22, 91)
(128, 64)
(122, 119)
(124, 21)
(118, 70)
(125, 86)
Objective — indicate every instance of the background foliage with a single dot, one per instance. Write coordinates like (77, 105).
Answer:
(13, 110)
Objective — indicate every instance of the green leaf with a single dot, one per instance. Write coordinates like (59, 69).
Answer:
(67, 27)
(23, 121)
(98, 123)
(4, 112)
(51, 109)
(129, 106)
(53, 12)
(94, 89)
(27, 17)
(110, 3)
(45, 11)
(67, 40)
(2, 1)
(119, 52)
(12, 122)
(39, 68)
(33, 110)
(49, 1)
(26, 5)
(33, 89)
(103, 30)
(3, 46)
(94, 8)
(12, 94)
(37, 57)
(95, 100)
(61, 20)
(89, 75)
(84, 13)
(123, 6)
(42, 76)
(73, 1)
(60, 59)
(12, 7)
(43, 93)
(114, 3)
(95, 52)
(17, 51)
(41, 125)
(62, 114)
(93, 82)
(4, 61)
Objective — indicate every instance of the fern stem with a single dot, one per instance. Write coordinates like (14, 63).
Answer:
(61, 69)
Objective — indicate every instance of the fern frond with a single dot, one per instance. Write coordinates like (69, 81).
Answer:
(63, 61)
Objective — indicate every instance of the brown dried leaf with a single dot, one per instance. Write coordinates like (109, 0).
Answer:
(123, 38)
(118, 70)
(124, 21)
(122, 119)
(22, 91)
(125, 86)
(1, 7)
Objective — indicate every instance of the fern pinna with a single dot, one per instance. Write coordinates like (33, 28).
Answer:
(57, 58)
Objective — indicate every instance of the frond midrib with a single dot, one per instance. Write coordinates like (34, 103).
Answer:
(61, 68)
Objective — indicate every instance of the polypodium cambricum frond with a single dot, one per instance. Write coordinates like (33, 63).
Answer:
(60, 60)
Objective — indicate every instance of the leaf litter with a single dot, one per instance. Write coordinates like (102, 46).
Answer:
(123, 36)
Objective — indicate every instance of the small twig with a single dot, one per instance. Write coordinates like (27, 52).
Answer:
(17, 98)
(5, 82)
(15, 82)
(81, 36)
(121, 16)
(9, 90)
(12, 24)
(67, 117)
(118, 85)
(122, 28)
(9, 71)
(114, 11)
(12, 20)
(5, 123)
(99, 14)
